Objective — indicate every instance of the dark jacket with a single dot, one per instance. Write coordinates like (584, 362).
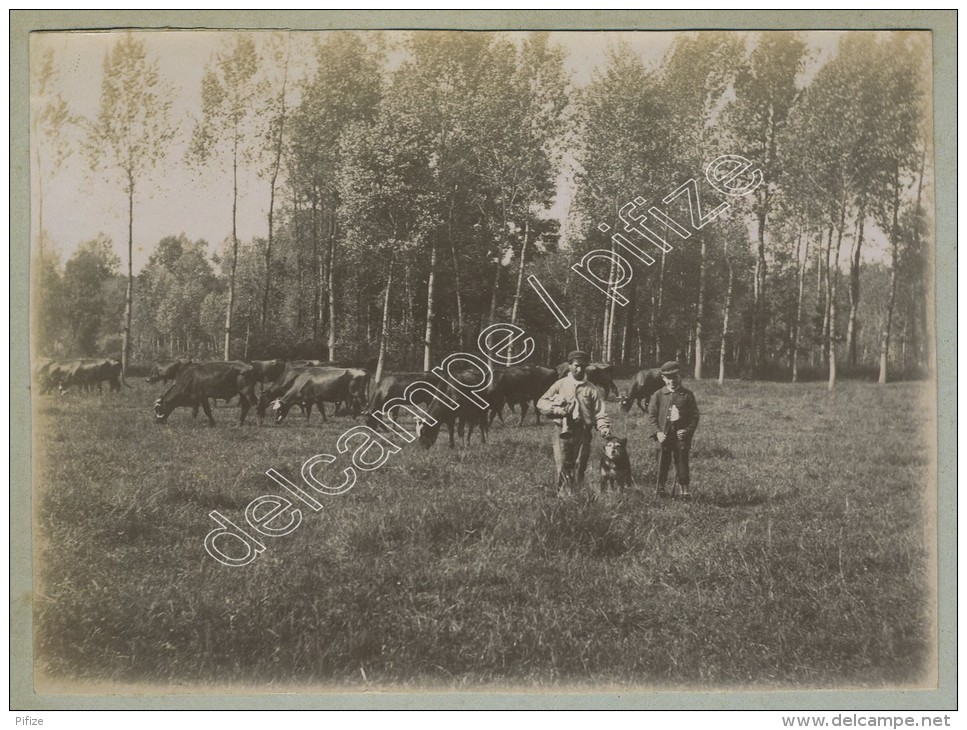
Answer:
(662, 401)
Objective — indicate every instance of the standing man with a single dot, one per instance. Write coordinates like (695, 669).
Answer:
(577, 406)
(673, 417)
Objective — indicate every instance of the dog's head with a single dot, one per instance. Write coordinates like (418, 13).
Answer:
(615, 448)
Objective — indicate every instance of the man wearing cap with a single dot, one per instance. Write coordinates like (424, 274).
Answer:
(577, 406)
(673, 417)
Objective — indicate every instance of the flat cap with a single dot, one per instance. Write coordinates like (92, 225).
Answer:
(670, 368)
(579, 355)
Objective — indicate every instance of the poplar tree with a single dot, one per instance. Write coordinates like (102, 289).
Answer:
(130, 136)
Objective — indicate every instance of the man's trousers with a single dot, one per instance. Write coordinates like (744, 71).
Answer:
(571, 453)
(674, 450)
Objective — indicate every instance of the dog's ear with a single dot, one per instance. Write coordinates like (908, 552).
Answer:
(623, 442)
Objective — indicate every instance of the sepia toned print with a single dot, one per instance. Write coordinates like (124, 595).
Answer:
(412, 231)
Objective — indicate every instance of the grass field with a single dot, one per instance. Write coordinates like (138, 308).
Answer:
(803, 561)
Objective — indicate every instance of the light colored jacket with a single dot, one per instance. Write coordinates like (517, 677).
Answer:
(583, 399)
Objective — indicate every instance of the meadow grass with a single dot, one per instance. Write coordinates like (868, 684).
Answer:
(803, 561)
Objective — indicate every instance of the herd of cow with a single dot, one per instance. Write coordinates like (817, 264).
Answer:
(307, 383)
(85, 375)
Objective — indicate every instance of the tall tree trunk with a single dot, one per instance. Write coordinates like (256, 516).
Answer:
(129, 289)
(826, 302)
(276, 165)
(411, 329)
(757, 345)
(801, 258)
(833, 276)
(854, 287)
(461, 328)
(318, 264)
(657, 311)
(384, 331)
(726, 313)
(700, 310)
(332, 284)
(231, 279)
(894, 254)
(430, 313)
(520, 273)
(641, 345)
(501, 247)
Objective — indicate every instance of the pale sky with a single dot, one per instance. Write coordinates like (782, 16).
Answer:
(78, 205)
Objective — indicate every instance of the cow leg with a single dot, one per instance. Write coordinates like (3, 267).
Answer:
(243, 402)
(642, 408)
(194, 410)
(208, 411)
(523, 411)
(450, 429)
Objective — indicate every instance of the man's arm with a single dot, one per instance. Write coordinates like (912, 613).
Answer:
(601, 415)
(693, 410)
(546, 407)
(652, 414)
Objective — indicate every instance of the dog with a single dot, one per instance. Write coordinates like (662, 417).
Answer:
(615, 465)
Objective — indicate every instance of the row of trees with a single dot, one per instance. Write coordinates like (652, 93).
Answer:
(407, 206)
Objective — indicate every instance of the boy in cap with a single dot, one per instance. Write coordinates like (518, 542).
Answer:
(673, 417)
(577, 406)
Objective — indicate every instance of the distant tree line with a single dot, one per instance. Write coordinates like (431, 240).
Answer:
(406, 206)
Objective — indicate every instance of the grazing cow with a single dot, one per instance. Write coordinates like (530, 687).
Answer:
(198, 382)
(645, 384)
(110, 371)
(166, 370)
(391, 387)
(358, 390)
(59, 375)
(315, 385)
(86, 374)
(268, 371)
(600, 374)
(520, 385)
(280, 387)
(467, 414)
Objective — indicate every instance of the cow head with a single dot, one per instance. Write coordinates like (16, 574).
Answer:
(160, 413)
(625, 402)
(426, 434)
(154, 376)
(276, 406)
(171, 399)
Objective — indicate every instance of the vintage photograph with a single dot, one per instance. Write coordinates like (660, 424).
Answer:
(491, 360)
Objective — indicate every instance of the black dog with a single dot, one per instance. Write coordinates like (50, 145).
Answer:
(615, 467)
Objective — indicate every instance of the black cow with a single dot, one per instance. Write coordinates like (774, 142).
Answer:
(166, 370)
(315, 385)
(52, 374)
(393, 386)
(358, 390)
(520, 385)
(197, 382)
(645, 384)
(88, 374)
(465, 416)
(599, 373)
(268, 371)
(280, 387)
